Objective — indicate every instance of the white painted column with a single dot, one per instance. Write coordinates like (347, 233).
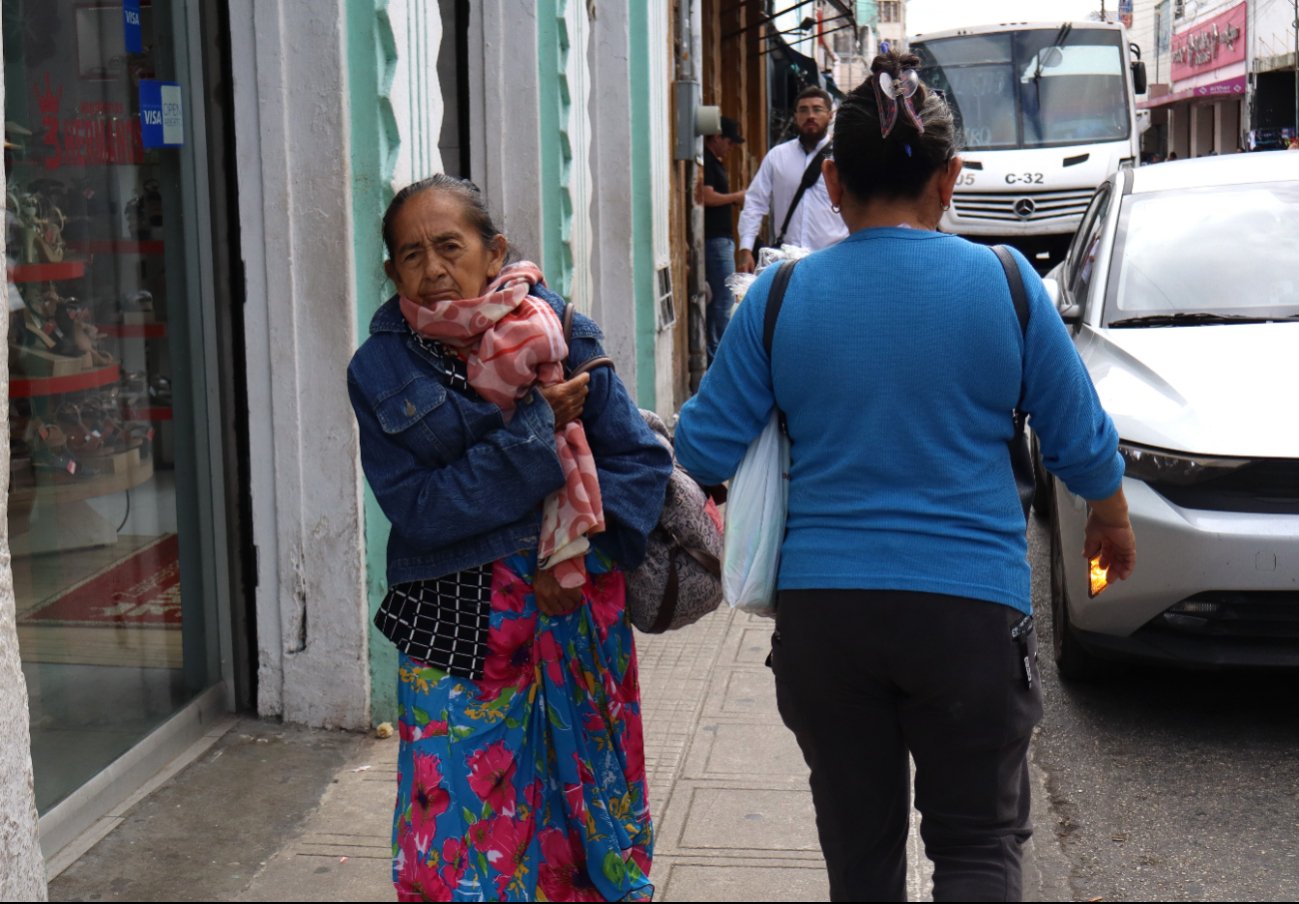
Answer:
(613, 279)
(504, 120)
(22, 875)
(416, 95)
(578, 74)
(660, 138)
(295, 213)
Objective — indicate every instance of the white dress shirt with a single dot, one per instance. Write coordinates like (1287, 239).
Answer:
(814, 225)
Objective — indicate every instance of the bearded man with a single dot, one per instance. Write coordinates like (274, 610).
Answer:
(789, 187)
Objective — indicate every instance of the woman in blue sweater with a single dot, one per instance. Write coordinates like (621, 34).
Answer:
(898, 358)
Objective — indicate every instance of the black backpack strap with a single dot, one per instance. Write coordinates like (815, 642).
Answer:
(591, 363)
(1021, 458)
(775, 299)
(1017, 294)
(1016, 280)
(810, 175)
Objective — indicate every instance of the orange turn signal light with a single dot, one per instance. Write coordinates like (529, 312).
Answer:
(1098, 578)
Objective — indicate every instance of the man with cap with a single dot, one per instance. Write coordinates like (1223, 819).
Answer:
(719, 242)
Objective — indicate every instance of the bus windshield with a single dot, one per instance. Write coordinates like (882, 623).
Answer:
(1036, 88)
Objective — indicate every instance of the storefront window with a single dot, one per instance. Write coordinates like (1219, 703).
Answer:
(112, 641)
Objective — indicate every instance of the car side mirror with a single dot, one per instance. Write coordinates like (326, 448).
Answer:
(1069, 313)
(1052, 289)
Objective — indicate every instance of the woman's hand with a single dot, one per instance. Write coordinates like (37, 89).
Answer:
(1108, 534)
(552, 599)
(568, 398)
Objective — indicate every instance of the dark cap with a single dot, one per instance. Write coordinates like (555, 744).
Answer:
(731, 130)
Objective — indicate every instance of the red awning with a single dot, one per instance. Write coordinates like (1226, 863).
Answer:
(1232, 87)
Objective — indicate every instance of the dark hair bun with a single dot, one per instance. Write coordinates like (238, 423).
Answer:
(901, 164)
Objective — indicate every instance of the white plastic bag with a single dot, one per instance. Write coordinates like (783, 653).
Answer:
(756, 504)
(739, 281)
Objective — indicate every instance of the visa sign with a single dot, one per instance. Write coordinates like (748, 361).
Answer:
(162, 123)
(131, 26)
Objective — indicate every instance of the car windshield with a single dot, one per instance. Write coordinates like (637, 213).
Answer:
(1231, 251)
(1034, 88)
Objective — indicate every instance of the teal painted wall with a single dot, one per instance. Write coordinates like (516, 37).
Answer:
(642, 212)
(371, 55)
(554, 148)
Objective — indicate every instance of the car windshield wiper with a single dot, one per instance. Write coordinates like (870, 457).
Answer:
(1195, 318)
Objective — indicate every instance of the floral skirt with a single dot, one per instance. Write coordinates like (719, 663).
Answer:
(528, 785)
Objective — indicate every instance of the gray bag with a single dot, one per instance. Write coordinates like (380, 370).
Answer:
(680, 580)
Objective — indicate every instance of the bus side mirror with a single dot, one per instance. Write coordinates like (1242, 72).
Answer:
(1139, 77)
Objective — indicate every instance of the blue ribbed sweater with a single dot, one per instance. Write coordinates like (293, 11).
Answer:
(898, 359)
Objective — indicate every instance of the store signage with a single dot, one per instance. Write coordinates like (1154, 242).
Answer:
(1210, 44)
(1219, 89)
(1125, 13)
(161, 122)
(102, 132)
(131, 26)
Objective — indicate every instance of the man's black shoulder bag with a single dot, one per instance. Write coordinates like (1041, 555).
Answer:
(810, 175)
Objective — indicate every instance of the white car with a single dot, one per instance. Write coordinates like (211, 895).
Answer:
(1181, 288)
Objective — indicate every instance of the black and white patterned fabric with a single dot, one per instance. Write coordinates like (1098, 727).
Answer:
(453, 363)
(442, 622)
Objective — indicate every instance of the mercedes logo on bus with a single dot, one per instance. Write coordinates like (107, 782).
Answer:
(1024, 208)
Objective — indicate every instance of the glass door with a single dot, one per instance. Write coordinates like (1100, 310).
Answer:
(109, 507)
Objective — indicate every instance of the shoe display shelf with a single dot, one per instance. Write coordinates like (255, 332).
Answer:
(53, 515)
(134, 329)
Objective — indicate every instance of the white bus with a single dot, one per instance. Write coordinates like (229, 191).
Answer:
(1045, 113)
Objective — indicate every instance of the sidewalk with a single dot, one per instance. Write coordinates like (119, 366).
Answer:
(267, 812)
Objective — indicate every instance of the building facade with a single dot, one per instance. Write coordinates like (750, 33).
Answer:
(1222, 73)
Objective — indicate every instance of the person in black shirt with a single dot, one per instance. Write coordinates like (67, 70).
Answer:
(719, 241)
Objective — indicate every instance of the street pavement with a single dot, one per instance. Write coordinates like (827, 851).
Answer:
(1169, 784)
(266, 812)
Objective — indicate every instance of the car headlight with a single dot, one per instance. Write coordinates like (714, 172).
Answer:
(1160, 466)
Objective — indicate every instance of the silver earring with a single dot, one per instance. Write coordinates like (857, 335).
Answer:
(834, 207)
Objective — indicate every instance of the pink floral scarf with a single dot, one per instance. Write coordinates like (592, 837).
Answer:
(512, 341)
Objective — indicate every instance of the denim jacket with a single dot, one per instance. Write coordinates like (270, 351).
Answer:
(460, 485)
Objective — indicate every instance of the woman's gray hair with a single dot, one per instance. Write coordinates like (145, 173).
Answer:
(469, 195)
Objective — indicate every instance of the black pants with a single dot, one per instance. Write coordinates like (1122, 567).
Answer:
(863, 677)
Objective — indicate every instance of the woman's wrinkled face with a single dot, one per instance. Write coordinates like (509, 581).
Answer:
(437, 253)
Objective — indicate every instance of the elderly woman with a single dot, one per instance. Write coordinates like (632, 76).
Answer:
(903, 610)
(518, 499)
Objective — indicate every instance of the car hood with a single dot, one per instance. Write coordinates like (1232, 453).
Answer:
(1212, 390)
